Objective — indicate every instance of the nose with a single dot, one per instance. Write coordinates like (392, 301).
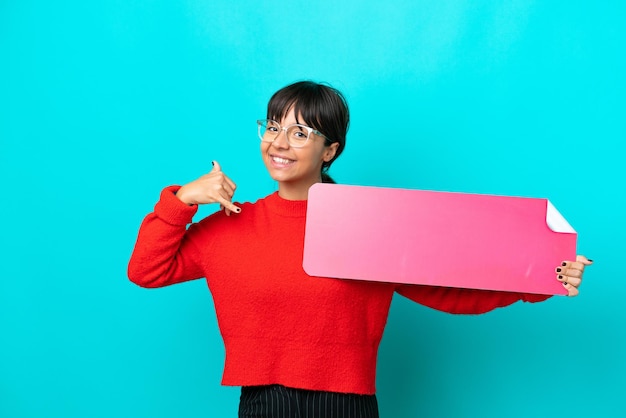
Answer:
(281, 141)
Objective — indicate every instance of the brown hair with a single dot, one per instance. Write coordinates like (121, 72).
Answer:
(321, 107)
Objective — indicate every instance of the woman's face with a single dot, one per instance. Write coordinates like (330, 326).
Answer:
(296, 169)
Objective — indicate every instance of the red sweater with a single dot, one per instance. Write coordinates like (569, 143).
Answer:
(280, 325)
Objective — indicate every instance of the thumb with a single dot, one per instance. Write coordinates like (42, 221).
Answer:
(216, 167)
(584, 260)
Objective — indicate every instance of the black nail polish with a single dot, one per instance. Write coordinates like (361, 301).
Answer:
(560, 277)
(590, 260)
(558, 270)
(563, 263)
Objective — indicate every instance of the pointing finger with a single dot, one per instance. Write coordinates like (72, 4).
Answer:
(228, 205)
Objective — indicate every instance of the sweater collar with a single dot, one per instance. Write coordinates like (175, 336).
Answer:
(284, 207)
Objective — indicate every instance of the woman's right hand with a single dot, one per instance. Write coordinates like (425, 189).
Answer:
(214, 187)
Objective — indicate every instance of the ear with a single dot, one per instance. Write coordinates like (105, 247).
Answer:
(330, 151)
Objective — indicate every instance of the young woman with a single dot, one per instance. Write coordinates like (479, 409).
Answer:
(298, 346)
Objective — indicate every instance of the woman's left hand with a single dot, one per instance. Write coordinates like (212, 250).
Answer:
(570, 273)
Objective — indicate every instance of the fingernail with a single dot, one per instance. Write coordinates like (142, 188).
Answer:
(558, 269)
(590, 260)
(563, 263)
(238, 210)
(560, 277)
(212, 162)
(564, 284)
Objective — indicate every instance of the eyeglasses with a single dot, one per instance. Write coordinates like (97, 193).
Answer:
(297, 135)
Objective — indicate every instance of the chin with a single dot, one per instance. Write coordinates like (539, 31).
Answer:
(277, 176)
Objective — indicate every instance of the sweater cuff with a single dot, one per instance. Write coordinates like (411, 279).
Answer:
(172, 210)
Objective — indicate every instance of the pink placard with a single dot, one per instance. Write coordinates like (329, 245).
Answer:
(436, 238)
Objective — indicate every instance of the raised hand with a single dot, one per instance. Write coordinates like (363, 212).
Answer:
(213, 187)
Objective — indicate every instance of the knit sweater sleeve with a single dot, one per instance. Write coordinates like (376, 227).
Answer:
(165, 252)
(464, 301)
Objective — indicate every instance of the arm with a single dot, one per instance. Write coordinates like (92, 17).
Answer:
(463, 301)
(474, 301)
(166, 252)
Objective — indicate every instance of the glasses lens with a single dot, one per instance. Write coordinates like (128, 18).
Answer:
(297, 135)
(267, 130)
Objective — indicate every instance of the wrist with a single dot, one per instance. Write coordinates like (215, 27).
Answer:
(183, 197)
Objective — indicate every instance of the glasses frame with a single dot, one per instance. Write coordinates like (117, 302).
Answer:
(284, 129)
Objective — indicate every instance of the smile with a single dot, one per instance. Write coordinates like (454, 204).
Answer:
(281, 160)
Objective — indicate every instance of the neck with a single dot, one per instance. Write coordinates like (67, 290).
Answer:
(299, 191)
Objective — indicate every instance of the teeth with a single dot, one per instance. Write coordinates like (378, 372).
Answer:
(281, 160)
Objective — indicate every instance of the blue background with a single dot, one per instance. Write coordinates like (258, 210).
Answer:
(102, 103)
